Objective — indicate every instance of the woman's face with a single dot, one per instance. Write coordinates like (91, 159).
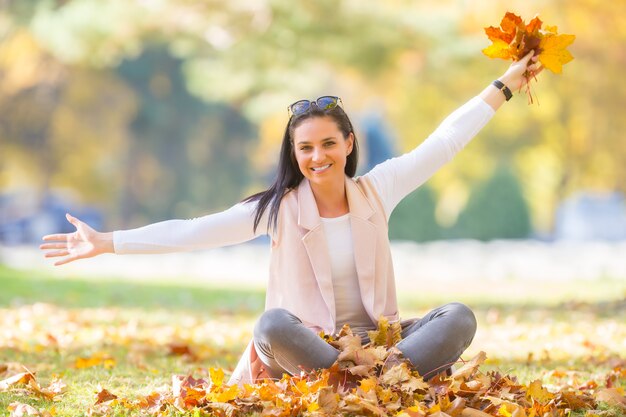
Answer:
(321, 150)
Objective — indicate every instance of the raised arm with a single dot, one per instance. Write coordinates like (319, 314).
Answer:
(395, 178)
(219, 229)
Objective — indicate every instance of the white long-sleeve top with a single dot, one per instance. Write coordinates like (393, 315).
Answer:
(392, 179)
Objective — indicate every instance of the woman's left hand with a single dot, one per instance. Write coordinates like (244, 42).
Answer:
(520, 72)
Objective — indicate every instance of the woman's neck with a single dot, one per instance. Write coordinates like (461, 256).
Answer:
(331, 201)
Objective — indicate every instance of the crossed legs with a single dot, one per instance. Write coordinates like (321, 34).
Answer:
(431, 343)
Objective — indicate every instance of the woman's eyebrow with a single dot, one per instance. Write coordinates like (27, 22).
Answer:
(323, 140)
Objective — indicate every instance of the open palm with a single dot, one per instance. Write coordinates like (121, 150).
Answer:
(85, 242)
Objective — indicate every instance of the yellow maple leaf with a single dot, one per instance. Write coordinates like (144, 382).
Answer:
(386, 334)
(314, 406)
(504, 411)
(98, 358)
(537, 392)
(227, 395)
(367, 384)
(498, 49)
(217, 377)
(379, 337)
(268, 391)
(553, 53)
(302, 387)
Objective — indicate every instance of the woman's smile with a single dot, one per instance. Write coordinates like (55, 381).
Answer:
(321, 169)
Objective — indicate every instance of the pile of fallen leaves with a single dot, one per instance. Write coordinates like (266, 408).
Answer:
(22, 380)
(373, 380)
(514, 39)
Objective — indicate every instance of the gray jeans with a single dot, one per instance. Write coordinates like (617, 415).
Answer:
(432, 343)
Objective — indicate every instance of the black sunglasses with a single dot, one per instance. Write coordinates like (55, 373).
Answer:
(322, 103)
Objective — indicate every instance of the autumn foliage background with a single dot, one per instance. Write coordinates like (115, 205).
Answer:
(149, 110)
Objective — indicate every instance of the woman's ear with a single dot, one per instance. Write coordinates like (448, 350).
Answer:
(350, 143)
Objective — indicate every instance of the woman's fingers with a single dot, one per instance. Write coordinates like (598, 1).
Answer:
(65, 261)
(53, 246)
(528, 56)
(75, 222)
(57, 254)
(534, 70)
(62, 237)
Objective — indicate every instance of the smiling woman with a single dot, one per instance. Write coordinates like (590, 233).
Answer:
(331, 261)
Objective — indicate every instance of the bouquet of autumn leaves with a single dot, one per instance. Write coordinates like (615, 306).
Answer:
(514, 39)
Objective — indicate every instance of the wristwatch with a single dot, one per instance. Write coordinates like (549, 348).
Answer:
(505, 90)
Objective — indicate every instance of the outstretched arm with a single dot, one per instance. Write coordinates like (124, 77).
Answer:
(395, 178)
(228, 227)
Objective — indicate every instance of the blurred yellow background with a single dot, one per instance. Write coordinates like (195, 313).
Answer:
(128, 112)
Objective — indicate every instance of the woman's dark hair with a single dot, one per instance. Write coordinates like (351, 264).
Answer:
(289, 175)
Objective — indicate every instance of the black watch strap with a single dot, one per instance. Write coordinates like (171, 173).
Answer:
(505, 90)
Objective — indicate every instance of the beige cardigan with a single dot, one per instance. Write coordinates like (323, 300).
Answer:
(300, 277)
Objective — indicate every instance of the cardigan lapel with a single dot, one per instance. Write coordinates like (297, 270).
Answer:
(316, 245)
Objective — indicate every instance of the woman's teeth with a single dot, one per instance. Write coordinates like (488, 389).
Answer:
(321, 168)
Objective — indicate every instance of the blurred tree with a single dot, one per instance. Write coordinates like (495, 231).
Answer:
(64, 126)
(31, 82)
(414, 218)
(496, 210)
(186, 153)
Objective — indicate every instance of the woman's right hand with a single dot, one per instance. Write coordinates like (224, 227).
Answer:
(85, 242)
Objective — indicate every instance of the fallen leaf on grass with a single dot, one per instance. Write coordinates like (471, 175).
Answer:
(612, 396)
(100, 410)
(20, 410)
(397, 374)
(55, 388)
(103, 395)
(21, 378)
(182, 349)
(95, 360)
(153, 403)
(537, 392)
(470, 367)
(31, 385)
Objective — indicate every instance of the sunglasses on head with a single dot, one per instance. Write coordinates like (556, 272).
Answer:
(322, 103)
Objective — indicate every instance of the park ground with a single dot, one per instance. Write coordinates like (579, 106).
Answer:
(131, 336)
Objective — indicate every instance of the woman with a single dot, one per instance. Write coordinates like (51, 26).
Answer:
(330, 262)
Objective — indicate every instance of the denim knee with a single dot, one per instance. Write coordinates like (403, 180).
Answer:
(272, 323)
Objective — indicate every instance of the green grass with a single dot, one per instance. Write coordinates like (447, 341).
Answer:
(47, 323)
(27, 287)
